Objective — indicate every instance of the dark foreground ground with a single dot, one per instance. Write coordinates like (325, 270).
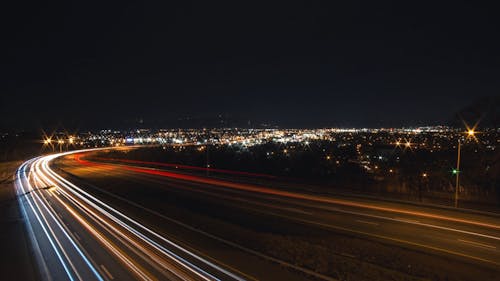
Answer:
(16, 261)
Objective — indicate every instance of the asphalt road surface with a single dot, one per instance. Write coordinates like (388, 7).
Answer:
(112, 220)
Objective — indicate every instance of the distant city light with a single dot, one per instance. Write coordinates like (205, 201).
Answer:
(432, 139)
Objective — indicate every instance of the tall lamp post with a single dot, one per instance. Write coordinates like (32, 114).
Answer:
(470, 134)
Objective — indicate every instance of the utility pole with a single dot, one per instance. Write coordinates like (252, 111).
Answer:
(207, 166)
(457, 172)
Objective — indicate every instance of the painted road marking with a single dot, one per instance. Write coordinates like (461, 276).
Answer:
(367, 222)
(77, 237)
(107, 272)
(482, 245)
(406, 220)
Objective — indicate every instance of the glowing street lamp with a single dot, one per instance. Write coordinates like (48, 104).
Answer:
(471, 133)
(60, 142)
(406, 144)
(47, 141)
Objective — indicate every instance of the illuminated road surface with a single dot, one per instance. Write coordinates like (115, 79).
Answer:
(78, 237)
(84, 238)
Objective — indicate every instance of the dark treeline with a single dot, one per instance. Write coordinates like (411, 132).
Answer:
(318, 162)
(19, 146)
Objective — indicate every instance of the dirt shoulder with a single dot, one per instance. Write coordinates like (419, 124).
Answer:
(16, 260)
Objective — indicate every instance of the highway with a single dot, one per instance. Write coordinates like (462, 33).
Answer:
(120, 220)
(79, 237)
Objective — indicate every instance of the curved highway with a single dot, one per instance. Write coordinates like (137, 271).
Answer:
(79, 237)
(113, 220)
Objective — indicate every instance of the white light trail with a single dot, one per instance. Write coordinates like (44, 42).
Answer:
(107, 226)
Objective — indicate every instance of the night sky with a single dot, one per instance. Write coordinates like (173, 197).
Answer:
(292, 64)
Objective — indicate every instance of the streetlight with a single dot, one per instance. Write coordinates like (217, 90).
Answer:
(48, 142)
(471, 133)
(408, 144)
(60, 142)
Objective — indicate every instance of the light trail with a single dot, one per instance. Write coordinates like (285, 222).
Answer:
(64, 182)
(308, 197)
(42, 223)
(232, 192)
(132, 245)
(188, 167)
(58, 209)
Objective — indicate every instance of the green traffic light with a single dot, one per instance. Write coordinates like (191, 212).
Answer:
(454, 171)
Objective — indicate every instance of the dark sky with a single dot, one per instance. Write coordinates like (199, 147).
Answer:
(296, 64)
